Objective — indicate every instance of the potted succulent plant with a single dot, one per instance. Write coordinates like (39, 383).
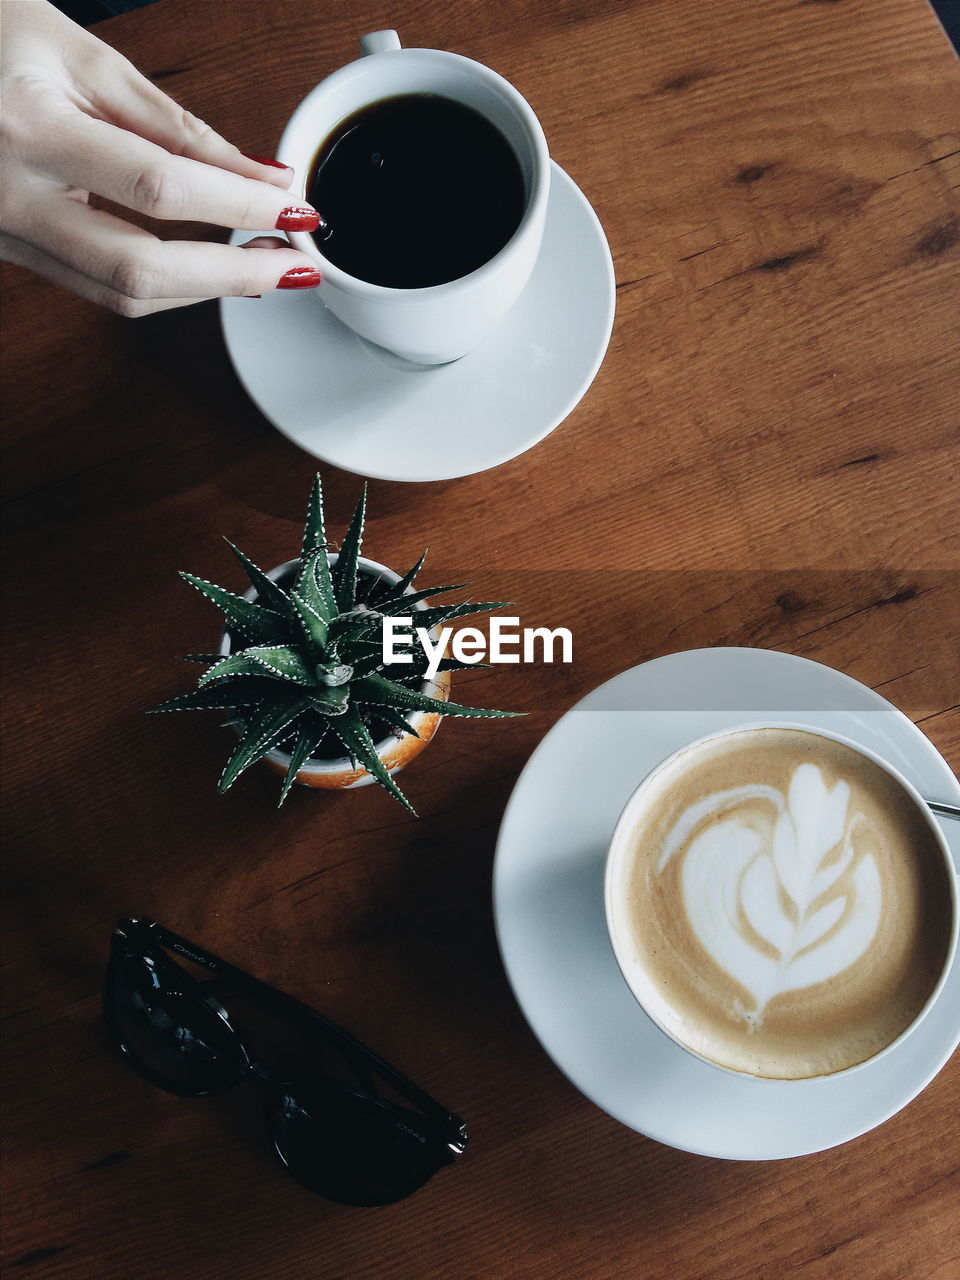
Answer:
(301, 666)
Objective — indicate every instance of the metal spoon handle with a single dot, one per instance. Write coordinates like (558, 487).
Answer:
(947, 810)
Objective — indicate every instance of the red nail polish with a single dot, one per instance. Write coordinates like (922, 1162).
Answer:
(274, 164)
(253, 295)
(300, 278)
(298, 217)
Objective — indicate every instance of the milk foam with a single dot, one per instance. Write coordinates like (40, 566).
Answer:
(770, 886)
(778, 904)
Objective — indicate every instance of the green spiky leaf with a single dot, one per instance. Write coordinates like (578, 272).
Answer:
(314, 585)
(314, 627)
(401, 604)
(334, 675)
(330, 701)
(378, 691)
(419, 666)
(234, 664)
(283, 661)
(264, 730)
(349, 648)
(363, 656)
(309, 737)
(397, 720)
(366, 666)
(430, 618)
(314, 534)
(255, 621)
(268, 593)
(345, 570)
(355, 736)
(397, 590)
(279, 661)
(356, 623)
(226, 694)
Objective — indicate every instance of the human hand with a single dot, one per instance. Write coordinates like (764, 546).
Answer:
(77, 118)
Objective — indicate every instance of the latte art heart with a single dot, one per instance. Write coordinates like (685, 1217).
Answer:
(774, 889)
(778, 903)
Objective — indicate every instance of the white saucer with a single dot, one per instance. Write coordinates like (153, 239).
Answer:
(548, 902)
(353, 405)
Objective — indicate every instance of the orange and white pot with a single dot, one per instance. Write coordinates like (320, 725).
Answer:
(395, 751)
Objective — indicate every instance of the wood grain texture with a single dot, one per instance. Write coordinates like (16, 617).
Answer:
(769, 457)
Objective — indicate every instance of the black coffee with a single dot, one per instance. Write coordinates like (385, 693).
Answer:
(416, 190)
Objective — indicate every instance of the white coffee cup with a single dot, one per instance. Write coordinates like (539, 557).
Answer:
(654, 1001)
(440, 323)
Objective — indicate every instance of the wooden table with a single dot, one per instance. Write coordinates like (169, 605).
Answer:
(768, 457)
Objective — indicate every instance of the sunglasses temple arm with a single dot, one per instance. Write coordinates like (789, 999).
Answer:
(350, 1045)
(364, 1057)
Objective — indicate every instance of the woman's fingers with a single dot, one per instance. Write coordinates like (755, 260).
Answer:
(59, 273)
(136, 264)
(78, 117)
(111, 87)
(128, 99)
(139, 174)
(43, 264)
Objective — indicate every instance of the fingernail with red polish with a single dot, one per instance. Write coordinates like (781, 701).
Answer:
(274, 164)
(298, 217)
(253, 295)
(300, 278)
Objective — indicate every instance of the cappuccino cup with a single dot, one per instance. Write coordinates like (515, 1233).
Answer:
(781, 902)
(443, 321)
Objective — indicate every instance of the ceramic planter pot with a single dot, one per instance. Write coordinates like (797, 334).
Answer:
(397, 749)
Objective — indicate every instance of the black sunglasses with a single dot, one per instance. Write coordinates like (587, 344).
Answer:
(341, 1138)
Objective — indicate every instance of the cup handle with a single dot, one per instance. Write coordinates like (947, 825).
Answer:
(379, 42)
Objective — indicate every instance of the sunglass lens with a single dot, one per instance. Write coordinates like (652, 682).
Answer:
(351, 1147)
(168, 1031)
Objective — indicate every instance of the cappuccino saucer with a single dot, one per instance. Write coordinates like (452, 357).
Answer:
(358, 407)
(548, 902)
